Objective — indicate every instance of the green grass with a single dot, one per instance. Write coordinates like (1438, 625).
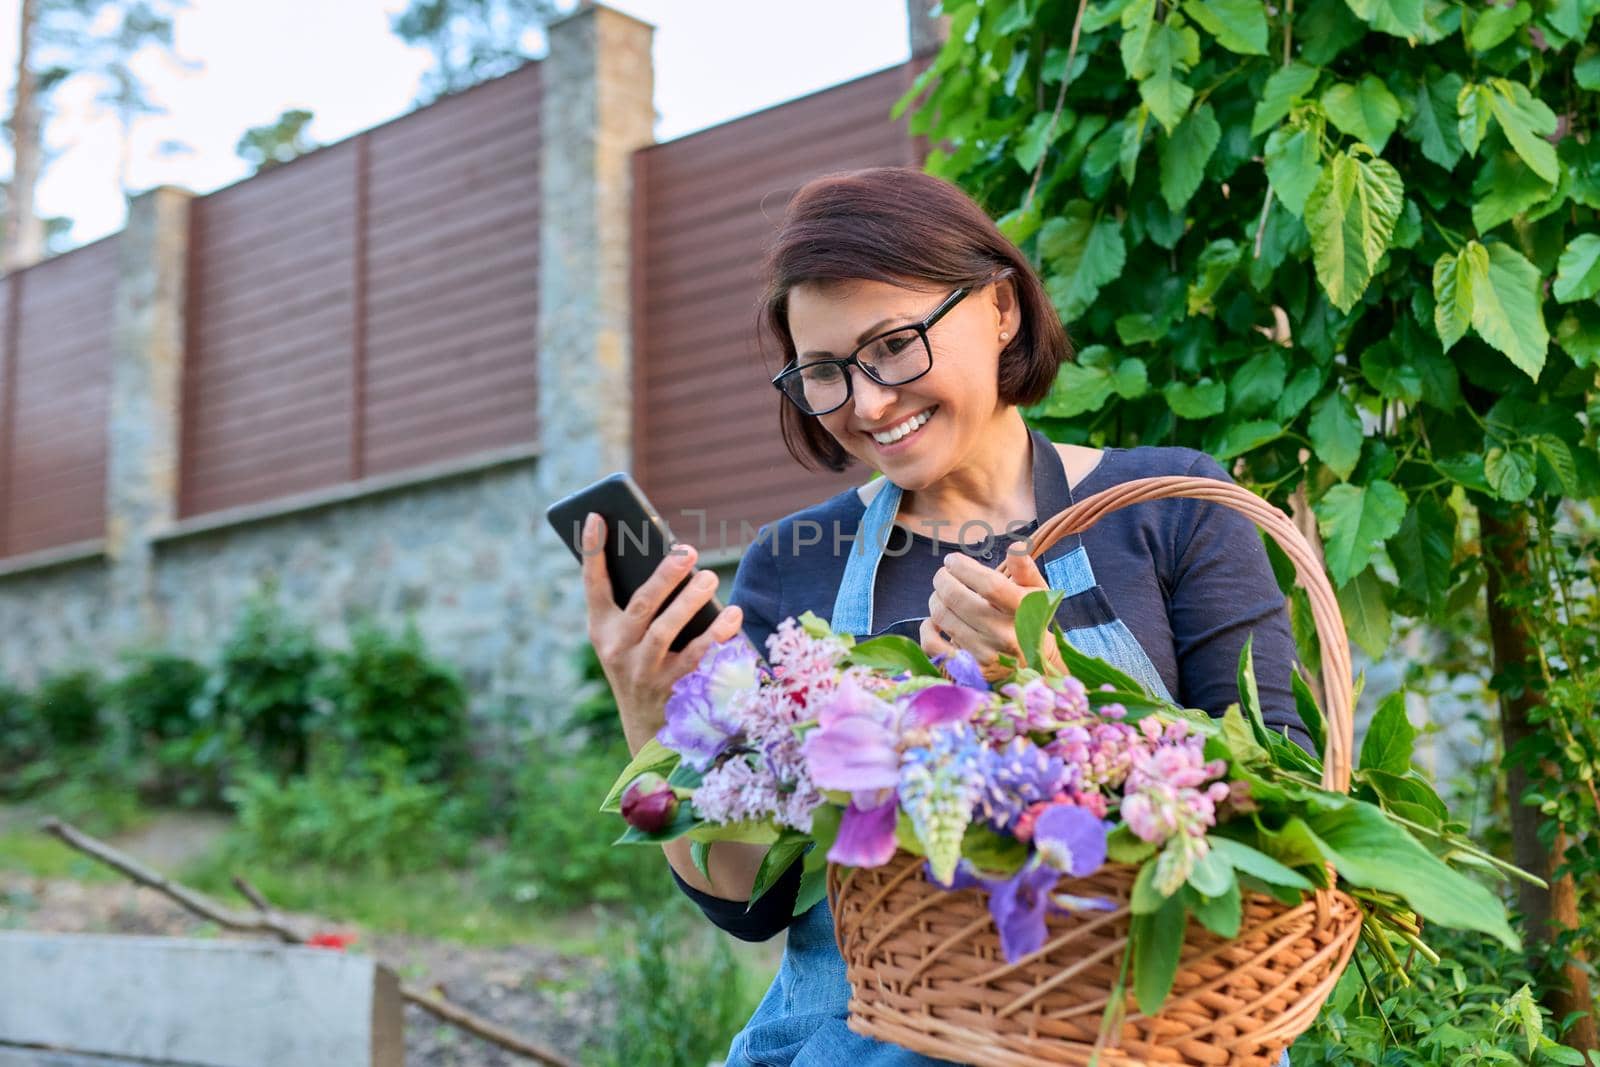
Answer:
(442, 904)
(35, 853)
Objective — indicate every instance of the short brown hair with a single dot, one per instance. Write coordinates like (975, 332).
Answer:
(899, 225)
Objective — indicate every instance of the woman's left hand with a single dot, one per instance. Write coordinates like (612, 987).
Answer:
(974, 607)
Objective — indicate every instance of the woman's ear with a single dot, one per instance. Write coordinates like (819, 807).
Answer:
(1008, 310)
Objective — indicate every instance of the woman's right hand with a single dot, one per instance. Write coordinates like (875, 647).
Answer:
(633, 644)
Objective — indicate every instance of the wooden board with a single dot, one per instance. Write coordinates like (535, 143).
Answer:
(199, 1003)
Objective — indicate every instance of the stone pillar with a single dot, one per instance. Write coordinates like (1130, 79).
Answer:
(597, 108)
(146, 406)
(928, 31)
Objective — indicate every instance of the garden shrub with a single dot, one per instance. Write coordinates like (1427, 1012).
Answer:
(19, 733)
(386, 692)
(368, 816)
(262, 692)
(155, 694)
(67, 706)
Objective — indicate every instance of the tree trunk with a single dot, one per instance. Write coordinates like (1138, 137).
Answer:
(24, 231)
(1550, 912)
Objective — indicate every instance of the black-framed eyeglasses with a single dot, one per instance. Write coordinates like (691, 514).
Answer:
(893, 357)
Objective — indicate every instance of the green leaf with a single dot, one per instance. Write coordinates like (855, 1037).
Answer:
(1510, 473)
(1433, 120)
(1124, 846)
(778, 859)
(1492, 24)
(1217, 261)
(1366, 615)
(1293, 844)
(1387, 370)
(1242, 437)
(1336, 435)
(1506, 311)
(1578, 272)
(1371, 852)
(893, 653)
(1033, 623)
(1167, 97)
(1086, 385)
(1453, 279)
(1305, 385)
(1354, 521)
(1293, 165)
(1250, 694)
(652, 756)
(1367, 111)
(1032, 143)
(1555, 452)
(1092, 671)
(1505, 188)
(1474, 113)
(1398, 18)
(1579, 335)
(1212, 874)
(1310, 712)
(1391, 739)
(1082, 253)
(1238, 25)
(1157, 942)
(1141, 328)
(992, 852)
(1586, 71)
(700, 854)
(1498, 291)
(1201, 400)
(1287, 85)
(1527, 121)
(1257, 864)
(1241, 740)
(1424, 551)
(1258, 382)
(1143, 899)
(1132, 142)
(1220, 914)
(1351, 215)
(1184, 154)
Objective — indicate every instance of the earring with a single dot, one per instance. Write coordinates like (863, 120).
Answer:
(1004, 336)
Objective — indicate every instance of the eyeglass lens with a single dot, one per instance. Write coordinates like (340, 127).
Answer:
(893, 359)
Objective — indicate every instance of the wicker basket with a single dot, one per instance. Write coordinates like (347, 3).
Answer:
(925, 966)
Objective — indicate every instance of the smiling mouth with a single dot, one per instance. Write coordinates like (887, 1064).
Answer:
(896, 434)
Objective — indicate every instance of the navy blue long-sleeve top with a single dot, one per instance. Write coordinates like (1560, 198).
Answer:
(1190, 579)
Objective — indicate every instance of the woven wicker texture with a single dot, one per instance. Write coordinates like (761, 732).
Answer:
(926, 968)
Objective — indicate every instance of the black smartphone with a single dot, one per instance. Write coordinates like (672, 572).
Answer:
(637, 540)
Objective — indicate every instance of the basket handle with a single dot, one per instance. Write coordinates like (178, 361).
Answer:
(1308, 571)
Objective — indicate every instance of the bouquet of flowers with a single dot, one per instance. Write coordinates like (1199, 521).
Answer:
(837, 752)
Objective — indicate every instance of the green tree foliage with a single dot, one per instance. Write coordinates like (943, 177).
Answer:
(1351, 245)
(473, 40)
(277, 142)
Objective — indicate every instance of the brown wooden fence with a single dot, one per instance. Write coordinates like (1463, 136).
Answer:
(369, 307)
(706, 432)
(55, 378)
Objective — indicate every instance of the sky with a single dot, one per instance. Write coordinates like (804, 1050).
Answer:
(241, 63)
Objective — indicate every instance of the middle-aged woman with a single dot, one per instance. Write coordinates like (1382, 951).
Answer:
(912, 330)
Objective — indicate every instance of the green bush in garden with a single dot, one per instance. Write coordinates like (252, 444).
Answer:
(67, 707)
(155, 694)
(558, 853)
(677, 1005)
(19, 733)
(262, 693)
(368, 816)
(386, 692)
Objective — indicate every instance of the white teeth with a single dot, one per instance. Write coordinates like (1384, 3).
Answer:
(889, 437)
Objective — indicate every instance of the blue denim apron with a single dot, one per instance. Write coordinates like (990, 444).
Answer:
(801, 1022)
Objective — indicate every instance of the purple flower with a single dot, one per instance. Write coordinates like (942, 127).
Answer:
(703, 712)
(939, 704)
(866, 835)
(962, 667)
(1015, 777)
(1018, 906)
(856, 745)
(1070, 839)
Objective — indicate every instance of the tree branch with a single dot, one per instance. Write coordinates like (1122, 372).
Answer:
(269, 921)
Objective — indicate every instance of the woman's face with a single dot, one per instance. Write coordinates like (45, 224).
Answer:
(959, 394)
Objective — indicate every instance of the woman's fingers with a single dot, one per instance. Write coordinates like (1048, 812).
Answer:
(724, 628)
(646, 600)
(932, 641)
(699, 589)
(597, 595)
